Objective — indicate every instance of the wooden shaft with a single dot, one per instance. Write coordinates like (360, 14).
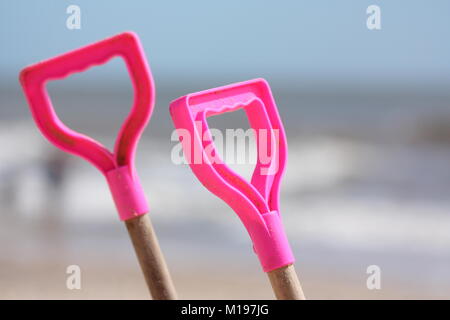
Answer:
(285, 283)
(151, 258)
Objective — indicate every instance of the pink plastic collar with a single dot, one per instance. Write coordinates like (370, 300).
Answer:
(256, 203)
(118, 167)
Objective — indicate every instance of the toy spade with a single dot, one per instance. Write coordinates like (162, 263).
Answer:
(256, 203)
(117, 166)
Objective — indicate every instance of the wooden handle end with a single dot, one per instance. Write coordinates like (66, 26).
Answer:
(285, 283)
(151, 258)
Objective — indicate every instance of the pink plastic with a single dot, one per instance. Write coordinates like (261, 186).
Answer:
(256, 203)
(118, 167)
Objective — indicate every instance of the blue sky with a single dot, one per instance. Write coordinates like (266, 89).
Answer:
(281, 39)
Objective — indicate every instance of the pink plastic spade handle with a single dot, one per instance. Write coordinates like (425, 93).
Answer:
(256, 203)
(118, 167)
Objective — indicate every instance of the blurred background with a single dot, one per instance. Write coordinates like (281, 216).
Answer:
(367, 114)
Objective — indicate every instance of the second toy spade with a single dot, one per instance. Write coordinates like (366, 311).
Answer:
(256, 203)
(117, 167)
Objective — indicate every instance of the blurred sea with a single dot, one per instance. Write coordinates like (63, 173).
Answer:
(368, 182)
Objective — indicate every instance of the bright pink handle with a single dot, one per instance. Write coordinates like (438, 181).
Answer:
(249, 95)
(256, 203)
(34, 79)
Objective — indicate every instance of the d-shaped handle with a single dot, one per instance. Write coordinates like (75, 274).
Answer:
(256, 98)
(34, 78)
(256, 203)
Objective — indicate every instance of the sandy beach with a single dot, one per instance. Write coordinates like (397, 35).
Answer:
(35, 268)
